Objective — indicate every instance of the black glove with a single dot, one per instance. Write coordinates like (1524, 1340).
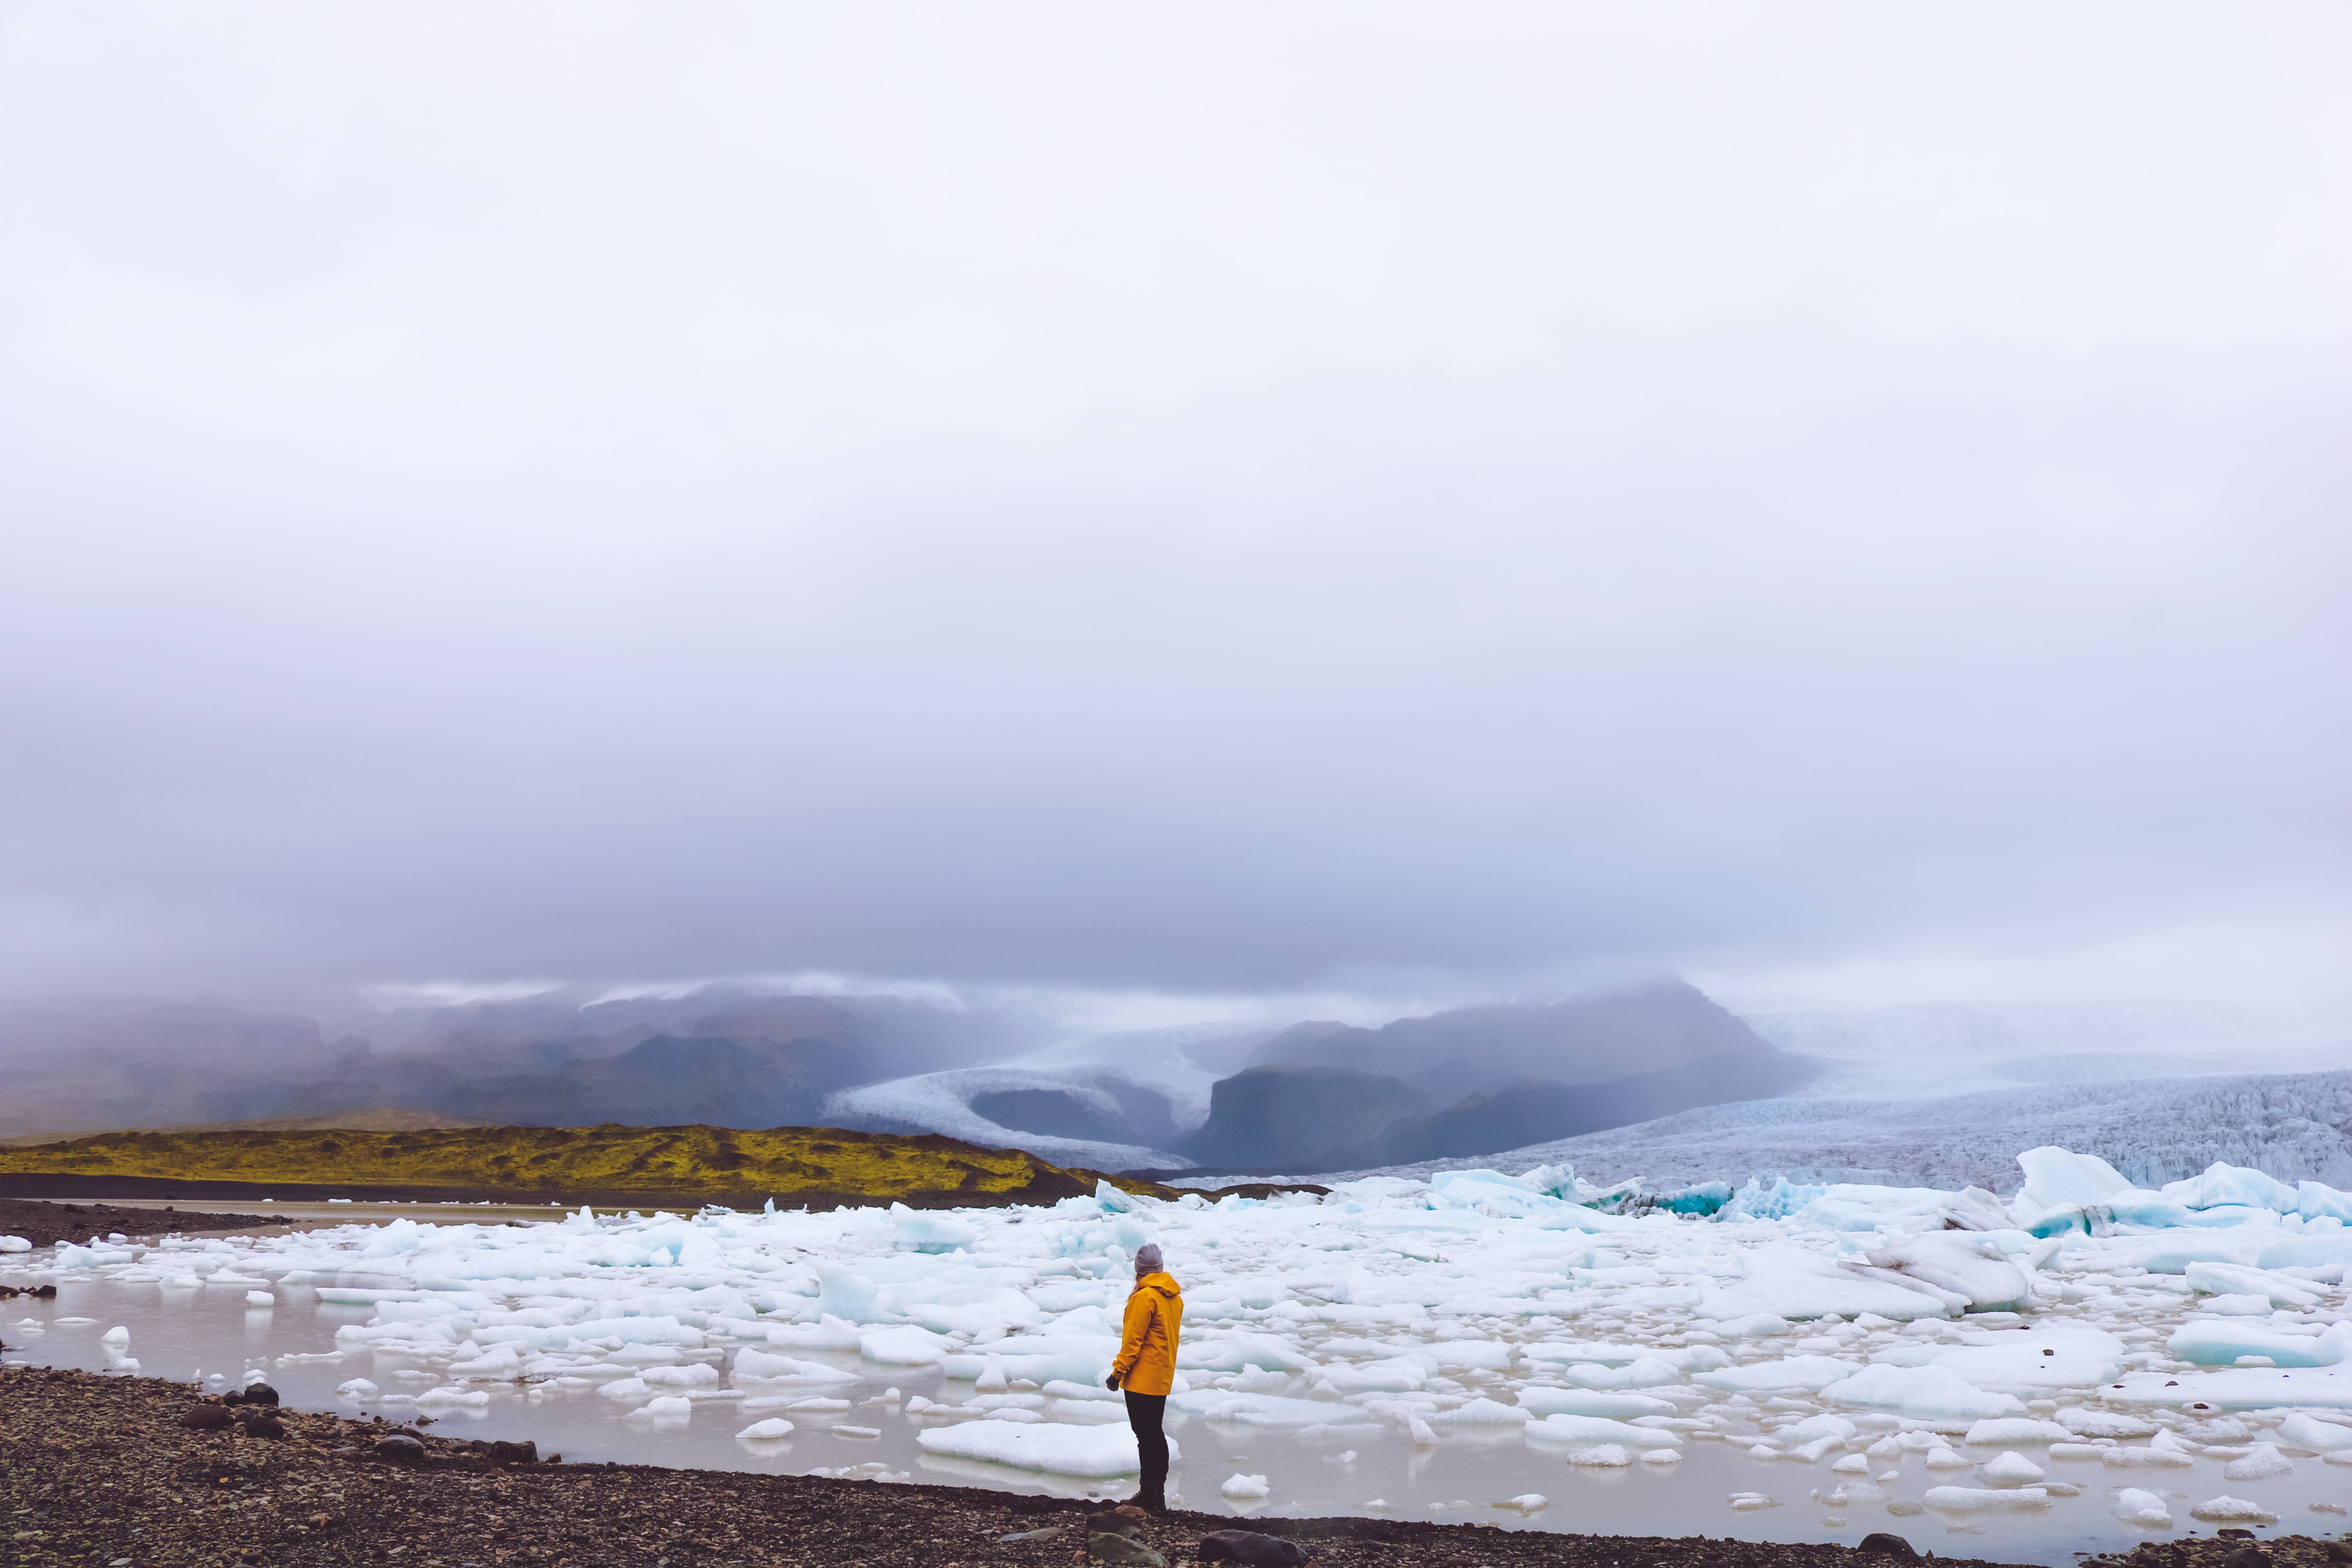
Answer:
(1111, 1383)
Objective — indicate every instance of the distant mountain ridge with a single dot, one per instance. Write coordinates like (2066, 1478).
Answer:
(739, 1061)
(1461, 1081)
(1477, 1079)
(1662, 1027)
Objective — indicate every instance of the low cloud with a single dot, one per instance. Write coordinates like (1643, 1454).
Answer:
(1351, 502)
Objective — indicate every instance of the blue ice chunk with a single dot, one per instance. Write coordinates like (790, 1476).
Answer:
(2316, 1200)
(2225, 1185)
(849, 1297)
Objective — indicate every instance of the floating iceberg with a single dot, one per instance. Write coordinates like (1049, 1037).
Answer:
(1923, 1392)
(1061, 1447)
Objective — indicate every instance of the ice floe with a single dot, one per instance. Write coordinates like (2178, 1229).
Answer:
(1884, 1338)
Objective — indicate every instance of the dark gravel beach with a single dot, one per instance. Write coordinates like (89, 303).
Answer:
(101, 1471)
(46, 1224)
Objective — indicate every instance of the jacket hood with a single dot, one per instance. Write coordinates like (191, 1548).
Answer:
(1163, 1283)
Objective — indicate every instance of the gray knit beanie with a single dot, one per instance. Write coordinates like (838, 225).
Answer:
(1147, 1258)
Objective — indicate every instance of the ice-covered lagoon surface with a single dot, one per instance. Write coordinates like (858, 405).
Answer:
(2077, 1369)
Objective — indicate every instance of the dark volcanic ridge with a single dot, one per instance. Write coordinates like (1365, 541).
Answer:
(1477, 1080)
(45, 1225)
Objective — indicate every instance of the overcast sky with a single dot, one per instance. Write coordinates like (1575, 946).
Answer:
(1210, 498)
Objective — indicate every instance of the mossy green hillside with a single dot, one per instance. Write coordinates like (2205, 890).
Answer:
(684, 1163)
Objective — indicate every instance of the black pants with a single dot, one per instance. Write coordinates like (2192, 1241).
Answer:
(1144, 1412)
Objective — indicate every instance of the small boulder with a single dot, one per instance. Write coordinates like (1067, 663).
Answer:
(1108, 1546)
(1251, 1549)
(2248, 1556)
(505, 1453)
(262, 1424)
(1889, 1545)
(258, 1393)
(1047, 1533)
(206, 1417)
(400, 1448)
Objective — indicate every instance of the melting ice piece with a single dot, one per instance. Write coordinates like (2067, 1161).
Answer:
(2227, 1510)
(2301, 1431)
(2144, 1509)
(774, 1427)
(787, 1369)
(906, 1345)
(2011, 1469)
(1488, 1412)
(1920, 1391)
(1807, 1373)
(474, 1397)
(1062, 1447)
(2275, 1289)
(1592, 1402)
(259, 1299)
(1241, 1486)
(1063, 1388)
(2224, 1343)
(2003, 1430)
(1599, 1429)
(1978, 1500)
(828, 1334)
(2259, 1464)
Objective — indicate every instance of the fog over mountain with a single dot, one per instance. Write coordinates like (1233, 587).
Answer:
(1455, 1084)
(991, 531)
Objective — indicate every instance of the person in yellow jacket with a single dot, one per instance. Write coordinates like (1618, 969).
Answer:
(1146, 1369)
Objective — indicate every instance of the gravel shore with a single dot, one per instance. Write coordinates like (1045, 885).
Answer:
(98, 1471)
(45, 1224)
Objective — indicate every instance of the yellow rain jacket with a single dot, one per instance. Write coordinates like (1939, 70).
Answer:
(1147, 1354)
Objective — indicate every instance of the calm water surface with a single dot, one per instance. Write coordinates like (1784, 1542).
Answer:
(183, 1333)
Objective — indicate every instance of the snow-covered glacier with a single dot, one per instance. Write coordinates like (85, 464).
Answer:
(1077, 1104)
(2085, 1344)
(2295, 1126)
